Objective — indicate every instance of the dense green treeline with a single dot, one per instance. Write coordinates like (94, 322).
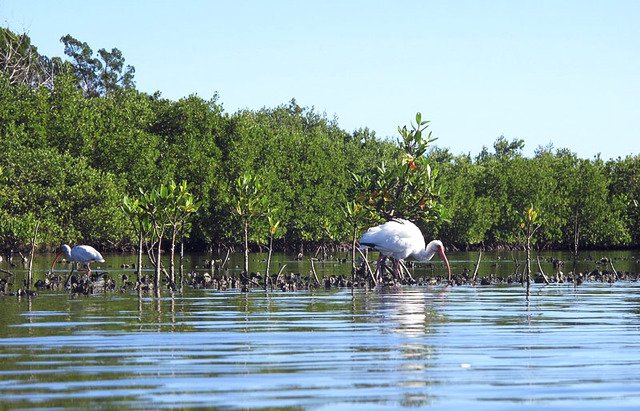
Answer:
(67, 161)
(592, 201)
(76, 137)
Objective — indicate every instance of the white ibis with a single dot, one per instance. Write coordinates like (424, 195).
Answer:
(84, 254)
(400, 239)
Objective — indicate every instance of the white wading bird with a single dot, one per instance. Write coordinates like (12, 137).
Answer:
(400, 239)
(84, 254)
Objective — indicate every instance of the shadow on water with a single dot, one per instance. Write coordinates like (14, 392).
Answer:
(423, 346)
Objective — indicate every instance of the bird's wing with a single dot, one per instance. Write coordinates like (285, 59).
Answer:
(86, 253)
(398, 238)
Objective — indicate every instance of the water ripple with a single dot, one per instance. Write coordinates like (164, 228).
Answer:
(445, 348)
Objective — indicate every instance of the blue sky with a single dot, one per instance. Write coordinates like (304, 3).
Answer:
(561, 72)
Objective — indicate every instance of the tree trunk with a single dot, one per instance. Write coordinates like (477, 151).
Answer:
(172, 269)
(139, 266)
(266, 276)
(269, 256)
(158, 262)
(33, 248)
(246, 246)
(181, 263)
(576, 237)
(353, 253)
(528, 262)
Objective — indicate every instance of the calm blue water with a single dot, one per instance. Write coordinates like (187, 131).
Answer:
(433, 347)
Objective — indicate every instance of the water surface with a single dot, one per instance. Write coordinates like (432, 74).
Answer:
(437, 347)
(484, 347)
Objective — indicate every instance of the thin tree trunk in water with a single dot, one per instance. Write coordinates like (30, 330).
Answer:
(33, 248)
(246, 246)
(475, 271)
(576, 236)
(546, 280)
(172, 269)
(528, 263)
(353, 253)
(612, 267)
(367, 267)
(181, 263)
(266, 276)
(403, 267)
(313, 271)
(213, 264)
(139, 266)
(158, 260)
(516, 262)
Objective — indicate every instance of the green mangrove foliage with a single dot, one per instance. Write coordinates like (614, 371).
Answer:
(166, 207)
(584, 202)
(530, 222)
(249, 202)
(78, 142)
(273, 232)
(405, 186)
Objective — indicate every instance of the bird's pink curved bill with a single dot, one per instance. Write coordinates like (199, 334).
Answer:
(55, 260)
(444, 257)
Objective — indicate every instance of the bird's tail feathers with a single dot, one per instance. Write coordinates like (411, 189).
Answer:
(364, 246)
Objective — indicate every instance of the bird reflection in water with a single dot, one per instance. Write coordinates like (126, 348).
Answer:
(410, 312)
(412, 317)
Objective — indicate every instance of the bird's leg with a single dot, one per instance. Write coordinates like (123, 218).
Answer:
(396, 269)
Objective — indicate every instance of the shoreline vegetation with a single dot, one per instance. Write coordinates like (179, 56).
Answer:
(219, 275)
(76, 138)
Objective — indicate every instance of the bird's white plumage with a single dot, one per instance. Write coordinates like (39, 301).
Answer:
(401, 239)
(82, 254)
(397, 238)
